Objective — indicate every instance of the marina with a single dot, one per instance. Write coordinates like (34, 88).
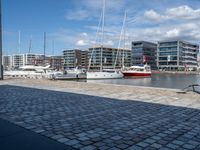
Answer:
(104, 75)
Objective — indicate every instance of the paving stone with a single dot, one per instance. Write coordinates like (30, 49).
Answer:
(78, 146)
(83, 138)
(122, 146)
(150, 141)
(155, 145)
(72, 142)
(134, 147)
(189, 146)
(90, 147)
(116, 137)
(63, 140)
(143, 144)
(103, 148)
(178, 142)
(114, 148)
(172, 146)
(195, 143)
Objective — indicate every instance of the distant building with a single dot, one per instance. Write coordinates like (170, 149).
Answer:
(57, 62)
(18, 60)
(84, 59)
(74, 58)
(177, 55)
(110, 57)
(7, 62)
(144, 52)
(29, 58)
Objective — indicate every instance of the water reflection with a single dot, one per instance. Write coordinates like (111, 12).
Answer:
(165, 81)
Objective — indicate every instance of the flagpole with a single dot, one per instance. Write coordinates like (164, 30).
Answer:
(1, 66)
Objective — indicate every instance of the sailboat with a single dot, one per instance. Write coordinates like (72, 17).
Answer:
(102, 74)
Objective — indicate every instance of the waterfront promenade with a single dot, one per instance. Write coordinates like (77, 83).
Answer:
(97, 116)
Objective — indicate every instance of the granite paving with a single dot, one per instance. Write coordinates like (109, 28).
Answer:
(92, 122)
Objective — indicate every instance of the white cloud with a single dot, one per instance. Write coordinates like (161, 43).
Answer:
(173, 33)
(81, 43)
(152, 15)
(84, 34)
(182, 13)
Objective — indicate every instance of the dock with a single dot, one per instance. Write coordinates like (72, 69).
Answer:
(91, 116)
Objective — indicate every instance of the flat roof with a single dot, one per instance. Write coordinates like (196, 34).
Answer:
(108, 47)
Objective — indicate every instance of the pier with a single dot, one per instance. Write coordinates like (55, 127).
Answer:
(91, 116)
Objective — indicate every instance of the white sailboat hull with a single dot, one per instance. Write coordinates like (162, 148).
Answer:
(104, 75)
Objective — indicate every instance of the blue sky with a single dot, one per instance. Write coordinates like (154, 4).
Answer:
(73, 23)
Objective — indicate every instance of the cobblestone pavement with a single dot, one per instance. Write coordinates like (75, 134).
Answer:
(91, 122)
(122, 92)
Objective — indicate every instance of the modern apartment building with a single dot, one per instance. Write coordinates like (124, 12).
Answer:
(110, 57)
(56, 62)
(18, 60)
(177, 55)
(74, 58)
(29, 58)
(144, 52)
(7, 62)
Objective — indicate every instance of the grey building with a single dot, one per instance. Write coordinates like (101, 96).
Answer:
(56, 62)
(110, 57)
(29, 58)
(74, 58)
(7, 62)
(177, 55)
(144, 50)
(18, 60)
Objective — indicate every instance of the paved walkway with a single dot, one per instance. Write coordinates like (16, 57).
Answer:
(15, 137)
(122, 92)
(92, 122)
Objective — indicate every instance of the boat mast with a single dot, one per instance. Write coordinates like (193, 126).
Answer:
(53, 43)
(102, 40)
(19, 41)
(30, 45)
(96, 36)
(1, 66)
(125, 16)
(44, 47)
(119, 44)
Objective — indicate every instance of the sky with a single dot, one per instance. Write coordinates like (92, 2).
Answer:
(73, 24)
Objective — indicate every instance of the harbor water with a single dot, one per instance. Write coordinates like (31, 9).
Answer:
(174, 81)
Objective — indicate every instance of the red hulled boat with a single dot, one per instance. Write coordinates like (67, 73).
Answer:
(137, 71)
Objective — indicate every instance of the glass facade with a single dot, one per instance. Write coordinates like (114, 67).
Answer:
(141, 49)
(74, 58)
(177, 55)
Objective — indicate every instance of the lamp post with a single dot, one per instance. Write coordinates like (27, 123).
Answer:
(1, 66)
